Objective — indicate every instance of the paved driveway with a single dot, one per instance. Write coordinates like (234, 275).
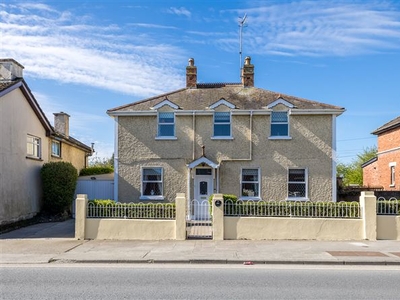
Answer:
(64, 229)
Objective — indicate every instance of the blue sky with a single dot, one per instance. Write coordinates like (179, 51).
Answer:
(84, 57)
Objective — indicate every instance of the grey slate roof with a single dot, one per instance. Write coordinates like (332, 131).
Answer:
(395, 123)
(246, 98)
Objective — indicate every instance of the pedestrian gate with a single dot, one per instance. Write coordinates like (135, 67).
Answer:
(198, 220)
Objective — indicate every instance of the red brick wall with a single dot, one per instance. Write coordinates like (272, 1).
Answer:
(370, 175)
(388, 141)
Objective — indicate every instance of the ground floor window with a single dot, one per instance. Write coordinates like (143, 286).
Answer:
(297, 183)
(33, 146)
(250, 183)
(152, 183)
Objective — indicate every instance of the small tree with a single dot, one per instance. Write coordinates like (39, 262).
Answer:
(352, 172)
(59, 183)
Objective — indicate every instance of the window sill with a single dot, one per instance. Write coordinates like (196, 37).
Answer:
(56, 156)
(280, 138)
(222, 137)
(166, 138)
(297, 199)
(147, 198)
(34, 158)
(250, 198)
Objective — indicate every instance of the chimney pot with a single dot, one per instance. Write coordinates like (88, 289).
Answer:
(248, 73)
(191, 74)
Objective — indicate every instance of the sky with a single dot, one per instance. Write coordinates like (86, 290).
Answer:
(85, 57)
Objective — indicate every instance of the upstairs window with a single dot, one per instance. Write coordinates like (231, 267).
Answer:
(56, 148)
(279, 124)
(297, 184)
(33, 145)
(222, 124)
(152, 183)
(250, 183)
(166, 124)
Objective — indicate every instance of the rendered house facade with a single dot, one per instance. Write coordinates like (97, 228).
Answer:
(28, 140)
(230, 138)
(384, 169)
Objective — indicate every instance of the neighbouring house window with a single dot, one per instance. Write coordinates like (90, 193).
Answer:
(297, 183)
(152, 183)
(222, 124)
(56, 148)
(392, 175)
(279, 124)
(166, 124)
(33, 146)
(250, 183)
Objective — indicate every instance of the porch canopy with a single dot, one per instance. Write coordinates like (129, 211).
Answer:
(203, 161)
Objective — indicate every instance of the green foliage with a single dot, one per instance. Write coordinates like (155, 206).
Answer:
(292, 209)
(97, 170)
(352, 172)
(59, 183)
(226, 197)
(112, 209)
(96, 161)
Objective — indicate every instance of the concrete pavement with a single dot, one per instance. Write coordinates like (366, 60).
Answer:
(54, 243)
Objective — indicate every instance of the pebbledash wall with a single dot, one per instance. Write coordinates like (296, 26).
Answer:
(250, 148)
(369, 227)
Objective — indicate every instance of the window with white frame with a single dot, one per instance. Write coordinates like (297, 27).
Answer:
(56, 148)
(392, 175)
(297, 183)
(250, 183)
(33, 146)
(222, 124)
(152, 182)
(279, 124)
(166, 124)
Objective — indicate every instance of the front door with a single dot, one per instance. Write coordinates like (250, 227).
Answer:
(203, 189)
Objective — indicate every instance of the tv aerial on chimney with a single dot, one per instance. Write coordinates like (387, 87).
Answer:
(242, 23)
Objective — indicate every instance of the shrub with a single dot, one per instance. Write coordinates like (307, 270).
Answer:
(59, 183)
(96, 171)
(112, 209)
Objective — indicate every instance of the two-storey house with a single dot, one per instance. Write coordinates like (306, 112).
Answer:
(28, 140)
(384, 169)
(231, 138)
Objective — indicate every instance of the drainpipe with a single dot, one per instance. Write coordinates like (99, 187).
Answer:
(116, 159)
(194, 134)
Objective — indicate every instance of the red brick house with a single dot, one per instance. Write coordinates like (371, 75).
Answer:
(384, 169)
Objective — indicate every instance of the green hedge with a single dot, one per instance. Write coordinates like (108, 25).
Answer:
(112, 209)
(96, 171)
(293, 209)
(59, 183)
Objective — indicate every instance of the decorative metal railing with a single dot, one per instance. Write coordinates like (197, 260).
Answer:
(293, 209)
(131, 210)
(387, 207)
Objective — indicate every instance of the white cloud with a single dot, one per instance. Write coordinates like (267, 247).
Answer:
(58, 46)
(179, 11)
(322, 28)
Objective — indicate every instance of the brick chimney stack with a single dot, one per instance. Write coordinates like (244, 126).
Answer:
(248, 73)
(10, 69)
(191, 75)
(61, 123)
